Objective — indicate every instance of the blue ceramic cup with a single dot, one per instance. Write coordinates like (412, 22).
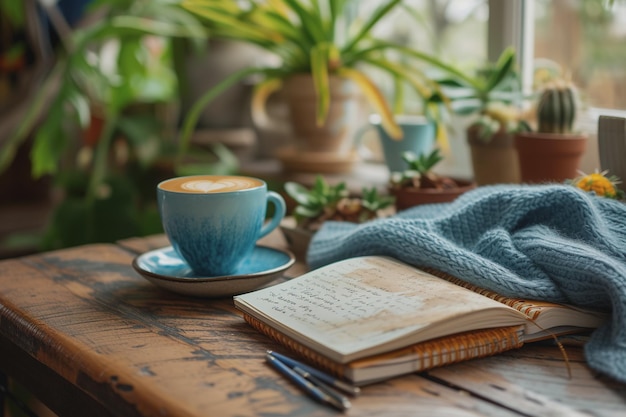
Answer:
(418, 135)
(214, 221)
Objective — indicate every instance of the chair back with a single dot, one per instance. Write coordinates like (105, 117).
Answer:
(612, 146)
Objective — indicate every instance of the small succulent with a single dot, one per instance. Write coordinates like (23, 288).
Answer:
(600, 184)
(495, 118)
(324, 202)
(419, 172)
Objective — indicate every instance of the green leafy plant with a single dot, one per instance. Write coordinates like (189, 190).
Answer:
(97, 121)
(306, 37)
(419, 172)
(493, 94)
(372, 201)
(324, 202)
(123, 58)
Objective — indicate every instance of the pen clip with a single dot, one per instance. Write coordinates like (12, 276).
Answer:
(338, 397)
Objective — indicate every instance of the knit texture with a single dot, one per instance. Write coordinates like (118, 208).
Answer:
(545, 242)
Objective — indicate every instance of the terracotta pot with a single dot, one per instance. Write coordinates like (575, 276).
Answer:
(337, 134)
(494, 161)
(311, 148)
(549, 157)
(296, 139)
(91, 134)
(298, 240)
(409, 197)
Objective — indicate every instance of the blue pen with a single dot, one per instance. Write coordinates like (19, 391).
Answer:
(337, 396)
(304, 384)
(330, 380)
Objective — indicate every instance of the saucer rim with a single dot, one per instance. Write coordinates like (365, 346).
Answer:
(218, 278)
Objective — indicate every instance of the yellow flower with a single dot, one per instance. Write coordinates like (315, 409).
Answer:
(599, 183)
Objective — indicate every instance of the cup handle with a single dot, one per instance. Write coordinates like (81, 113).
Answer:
(279, 213)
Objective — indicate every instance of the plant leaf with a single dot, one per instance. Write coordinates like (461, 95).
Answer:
(196, 109)
(319, 70)
(311, 21)
(50, 142)
(298, 192)
(376, 99)
(505, 63)
(365, 30)
(30, 118)
(225, 18)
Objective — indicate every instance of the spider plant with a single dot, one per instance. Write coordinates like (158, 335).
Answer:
(307, 37)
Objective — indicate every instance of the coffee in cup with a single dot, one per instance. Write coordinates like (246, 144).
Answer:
(214, 221)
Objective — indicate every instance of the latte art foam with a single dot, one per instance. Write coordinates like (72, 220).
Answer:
(205, 184)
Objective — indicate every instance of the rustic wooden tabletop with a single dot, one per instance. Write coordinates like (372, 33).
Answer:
(90, 337)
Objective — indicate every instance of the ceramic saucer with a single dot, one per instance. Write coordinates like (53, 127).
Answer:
(164, 268)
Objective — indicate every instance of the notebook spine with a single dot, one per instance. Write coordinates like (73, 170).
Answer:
(420, 357)
(452, 349)
(332, 367)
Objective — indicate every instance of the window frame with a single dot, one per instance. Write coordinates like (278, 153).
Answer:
(512, 23)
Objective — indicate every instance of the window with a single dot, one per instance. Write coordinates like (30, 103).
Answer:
(585, 39)
(588, 39)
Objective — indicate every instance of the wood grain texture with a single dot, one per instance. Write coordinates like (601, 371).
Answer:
(535, 379)
(83, 318)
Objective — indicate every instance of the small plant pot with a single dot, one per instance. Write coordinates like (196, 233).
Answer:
(494, 161)
(546, 157)
(409, 197)
(297, 238)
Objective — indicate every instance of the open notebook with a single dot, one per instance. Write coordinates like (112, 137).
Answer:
(372, 318)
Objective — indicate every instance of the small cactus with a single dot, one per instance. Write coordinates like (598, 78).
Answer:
(556, 109)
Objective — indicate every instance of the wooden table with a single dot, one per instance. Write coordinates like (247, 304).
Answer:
(90, 337)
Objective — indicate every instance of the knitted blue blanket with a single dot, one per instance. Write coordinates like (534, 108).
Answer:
(544, 242)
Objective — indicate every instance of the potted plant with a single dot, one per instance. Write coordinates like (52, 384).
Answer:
(418, 184)
(553, 151)
(322, 202)
(99, 121)
(493, 97)
(320, 75)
